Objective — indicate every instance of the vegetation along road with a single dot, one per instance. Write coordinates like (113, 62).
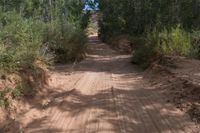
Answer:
(99, 66)
(105, 94)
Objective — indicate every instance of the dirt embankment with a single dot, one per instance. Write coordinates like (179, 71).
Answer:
(179, 77)
(17, 92)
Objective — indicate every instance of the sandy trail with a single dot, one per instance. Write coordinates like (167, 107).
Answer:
(104, 94)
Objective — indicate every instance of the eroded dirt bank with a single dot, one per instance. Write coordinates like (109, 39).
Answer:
(180, 79)
(103, 94)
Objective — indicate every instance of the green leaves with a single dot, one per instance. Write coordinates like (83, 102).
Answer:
(135, 17)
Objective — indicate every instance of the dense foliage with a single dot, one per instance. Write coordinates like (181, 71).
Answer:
(168, 24)
(34, 33)
(41, 30)
(137, 16)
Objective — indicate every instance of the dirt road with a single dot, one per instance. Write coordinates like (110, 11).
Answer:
(104, 94)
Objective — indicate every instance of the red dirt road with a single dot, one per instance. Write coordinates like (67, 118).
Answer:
(104, 94)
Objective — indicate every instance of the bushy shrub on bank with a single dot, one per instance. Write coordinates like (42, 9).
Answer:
(67, 42)
(20, 42)
(173, 42)
(195, 44)
(23, 41)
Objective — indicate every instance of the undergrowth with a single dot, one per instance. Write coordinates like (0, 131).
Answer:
(25, 40)
(173, 42)
(66, 47)
(8, 94)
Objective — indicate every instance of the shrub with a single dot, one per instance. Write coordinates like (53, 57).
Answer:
(195, 50)
(8, 94)
(66, 41)
(147, 51)
(20, 42)
(174, 42)
(8, 61)
(23, 41)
